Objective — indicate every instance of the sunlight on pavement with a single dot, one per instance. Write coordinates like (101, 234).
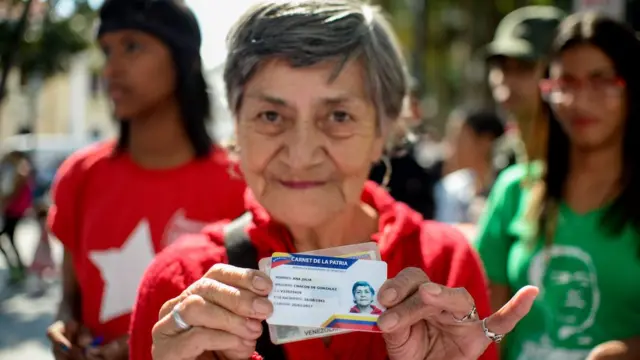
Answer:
(25, 315)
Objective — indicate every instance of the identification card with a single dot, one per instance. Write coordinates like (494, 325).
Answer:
(326, 292)
(282, 334)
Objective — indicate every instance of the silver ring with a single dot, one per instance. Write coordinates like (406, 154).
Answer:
(471, 316)
(182, 325)
(496, 338)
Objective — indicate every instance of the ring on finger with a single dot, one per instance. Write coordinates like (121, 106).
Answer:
(182, 325)
(496, 338)
(471, 316)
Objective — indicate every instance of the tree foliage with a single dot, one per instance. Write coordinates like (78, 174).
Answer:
(48, 42)
(445, 42)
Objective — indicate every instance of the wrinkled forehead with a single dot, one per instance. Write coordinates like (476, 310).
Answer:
(298, 85)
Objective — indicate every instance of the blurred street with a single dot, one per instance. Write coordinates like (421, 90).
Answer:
(26, 312)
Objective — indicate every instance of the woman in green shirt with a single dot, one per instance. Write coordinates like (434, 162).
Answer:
(572, 227)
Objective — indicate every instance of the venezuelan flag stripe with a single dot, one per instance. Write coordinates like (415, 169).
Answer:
(280, 259)
(352, 322)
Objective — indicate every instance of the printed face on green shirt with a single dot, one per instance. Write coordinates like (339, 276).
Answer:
(570, 290)
(588, 278)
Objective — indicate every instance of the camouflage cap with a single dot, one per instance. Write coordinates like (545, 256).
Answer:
(526, 33)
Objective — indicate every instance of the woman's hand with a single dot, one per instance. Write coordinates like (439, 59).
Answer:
(420, 321)
(223, 312)
(67, 340)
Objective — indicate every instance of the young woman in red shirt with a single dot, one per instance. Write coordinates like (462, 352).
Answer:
(314, 85)
(116, 204)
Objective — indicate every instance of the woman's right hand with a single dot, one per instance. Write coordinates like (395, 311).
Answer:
(224, 310)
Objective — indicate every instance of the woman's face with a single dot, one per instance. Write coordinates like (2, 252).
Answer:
(139, 72)
(363, 296)
(307, 140)
(590, 99)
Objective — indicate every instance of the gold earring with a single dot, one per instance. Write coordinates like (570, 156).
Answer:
(387, 172)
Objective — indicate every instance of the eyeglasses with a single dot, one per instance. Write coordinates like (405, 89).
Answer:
(560, 90)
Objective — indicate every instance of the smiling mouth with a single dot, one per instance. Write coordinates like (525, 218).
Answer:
(301, 185)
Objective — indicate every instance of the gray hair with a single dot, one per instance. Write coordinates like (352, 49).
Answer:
(307, 32)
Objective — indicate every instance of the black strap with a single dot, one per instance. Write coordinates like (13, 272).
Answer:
(242, 253)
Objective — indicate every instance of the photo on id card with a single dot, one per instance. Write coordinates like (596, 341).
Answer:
(326, 292)
(282, 334)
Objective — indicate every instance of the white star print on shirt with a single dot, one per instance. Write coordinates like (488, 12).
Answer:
(122, 270)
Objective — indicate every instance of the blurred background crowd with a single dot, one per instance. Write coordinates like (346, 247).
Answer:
(472, 82)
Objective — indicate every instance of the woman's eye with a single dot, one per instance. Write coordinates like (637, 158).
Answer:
(270, 116)
(132, 46)
(340, 116)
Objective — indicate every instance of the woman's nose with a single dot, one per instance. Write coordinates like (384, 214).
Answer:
(304, 146)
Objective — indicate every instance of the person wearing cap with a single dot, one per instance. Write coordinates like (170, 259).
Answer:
(517, 61)
(118, 203)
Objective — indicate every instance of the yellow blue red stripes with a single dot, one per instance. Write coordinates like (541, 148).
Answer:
(353, 322)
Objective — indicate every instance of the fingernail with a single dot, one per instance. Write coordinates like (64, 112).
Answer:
(261, 306)
(64, 348)
(254, 325)
(260, 284)
(388, 321)
(389, 296)
(432, 288)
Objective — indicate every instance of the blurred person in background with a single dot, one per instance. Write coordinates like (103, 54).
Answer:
(116, 204)
(574, 231)
(42, 264)
(517, 61)
(468, 171)
(16, 198)
(312, 106)
(399, 170)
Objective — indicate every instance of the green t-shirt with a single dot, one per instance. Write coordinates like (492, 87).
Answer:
(589, 289)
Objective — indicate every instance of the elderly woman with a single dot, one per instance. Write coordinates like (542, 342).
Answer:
(314, 85)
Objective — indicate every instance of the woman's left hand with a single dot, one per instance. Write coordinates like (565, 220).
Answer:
(425, 320)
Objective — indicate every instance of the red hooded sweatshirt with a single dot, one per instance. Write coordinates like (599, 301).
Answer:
(404, 238)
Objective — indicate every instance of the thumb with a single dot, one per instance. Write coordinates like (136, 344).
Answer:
(505, 319)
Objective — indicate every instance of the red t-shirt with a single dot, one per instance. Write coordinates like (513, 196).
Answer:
(404, 238)
(114, 216)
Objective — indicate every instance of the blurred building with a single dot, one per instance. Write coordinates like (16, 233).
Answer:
(71, 103)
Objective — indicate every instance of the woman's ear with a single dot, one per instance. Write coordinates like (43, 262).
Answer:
(377, 150)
